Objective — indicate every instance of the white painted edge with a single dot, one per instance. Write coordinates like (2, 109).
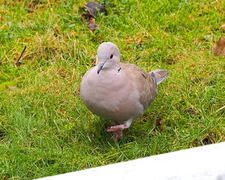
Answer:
(201, 163)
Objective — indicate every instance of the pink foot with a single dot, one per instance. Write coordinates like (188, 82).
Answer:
(117, 131)
(116, 128)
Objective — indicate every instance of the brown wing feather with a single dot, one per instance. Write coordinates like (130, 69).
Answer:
(144, 83)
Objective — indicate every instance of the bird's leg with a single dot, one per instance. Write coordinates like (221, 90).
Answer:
(119, 128)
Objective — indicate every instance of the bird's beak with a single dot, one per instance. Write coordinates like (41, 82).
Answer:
(100, 66)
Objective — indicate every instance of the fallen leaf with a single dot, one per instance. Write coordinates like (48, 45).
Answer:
(11, 88)
(208, 140)
(86, 17)
(8, 83)
(159, 124)
(219, 48)
(191, 17)
(192, 112)
(18, 63)
(95, 8)
(92, 21)
(92, 9)
(31, 8)
(92, 27)
(222, 27)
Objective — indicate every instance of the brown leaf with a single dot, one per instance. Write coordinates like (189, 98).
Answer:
(92, 21)
(92, 26)
(219, 48)
(18, 63)
(31, 8)
(159, 124)
(209, 139)
(94, 8)
(192, 112)
(191, 17)
(86, 17)
(11, 88)
(222, 27)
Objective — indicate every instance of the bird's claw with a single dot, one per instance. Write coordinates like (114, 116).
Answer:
(117, 131)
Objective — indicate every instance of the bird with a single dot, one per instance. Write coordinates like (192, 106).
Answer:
(118, 92)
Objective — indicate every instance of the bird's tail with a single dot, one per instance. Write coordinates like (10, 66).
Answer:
(159, 75)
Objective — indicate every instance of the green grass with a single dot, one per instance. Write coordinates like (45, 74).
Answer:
(45, 129)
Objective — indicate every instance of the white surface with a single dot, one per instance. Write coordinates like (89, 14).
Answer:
(201, 163)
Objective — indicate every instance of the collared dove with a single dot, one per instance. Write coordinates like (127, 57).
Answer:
(118, 91)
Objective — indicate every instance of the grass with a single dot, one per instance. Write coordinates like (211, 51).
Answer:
(45, 129)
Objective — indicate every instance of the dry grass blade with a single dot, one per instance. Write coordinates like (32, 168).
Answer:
(220, 109)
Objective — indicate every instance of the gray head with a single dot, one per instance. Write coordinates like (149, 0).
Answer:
(108, 55)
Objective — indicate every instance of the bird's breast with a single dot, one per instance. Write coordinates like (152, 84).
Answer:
(111, 96)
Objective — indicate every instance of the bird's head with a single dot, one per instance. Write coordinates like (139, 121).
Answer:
(108, 56)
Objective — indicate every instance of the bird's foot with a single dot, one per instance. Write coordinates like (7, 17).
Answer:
(117, 131)
(116, 128)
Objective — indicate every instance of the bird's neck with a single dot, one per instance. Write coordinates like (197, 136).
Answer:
(114, 66)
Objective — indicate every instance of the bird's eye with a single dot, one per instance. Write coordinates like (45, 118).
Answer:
(111, 56)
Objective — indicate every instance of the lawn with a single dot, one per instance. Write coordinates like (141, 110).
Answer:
(45, 129)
